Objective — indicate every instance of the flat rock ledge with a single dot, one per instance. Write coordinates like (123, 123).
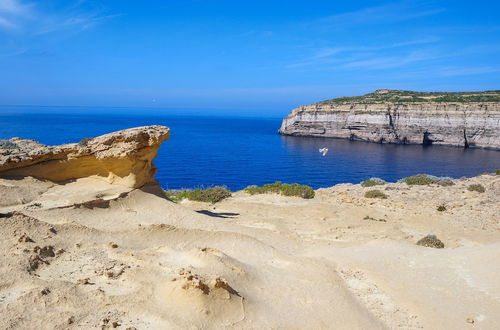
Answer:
(124, 157)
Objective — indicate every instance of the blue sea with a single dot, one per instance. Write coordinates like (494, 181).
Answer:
(237, 152)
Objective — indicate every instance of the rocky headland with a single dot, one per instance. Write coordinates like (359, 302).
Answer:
(89, 241)
(123, 157)
(403, 117)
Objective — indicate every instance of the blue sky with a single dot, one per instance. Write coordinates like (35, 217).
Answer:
(264, 57)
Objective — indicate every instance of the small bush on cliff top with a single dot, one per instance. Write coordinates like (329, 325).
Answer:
(476, 187)
(209, 195)
(373, 182)
(84, 142)
(446, 183)
(375, 194)
(426, 179)
(419, 179)
(431, 241)
(497, 172)
(7, 145)
(283, 189)
(441, 208)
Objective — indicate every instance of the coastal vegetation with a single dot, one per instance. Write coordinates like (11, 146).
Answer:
(6, 144)
(373, 182)
(375, 194)
(446, 183)
(419, 180)
(426, 179)
(402, 96)
(83, 142)
(284, 189)
(476, 187)
(431, 241)
(208, 195)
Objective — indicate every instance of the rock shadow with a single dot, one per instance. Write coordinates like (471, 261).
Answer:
(218, 215)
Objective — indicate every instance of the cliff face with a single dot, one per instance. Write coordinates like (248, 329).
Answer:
(472, 124)
(123, 157)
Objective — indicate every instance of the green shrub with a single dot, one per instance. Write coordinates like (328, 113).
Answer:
(497, 172)
(441, 208)
(476, 187)
(431, 241)
(284, 189)
(375, 194)
(175, 195)
(372, 182)
(402, 96)
(419, 179)
(426, 179)
(209, 195)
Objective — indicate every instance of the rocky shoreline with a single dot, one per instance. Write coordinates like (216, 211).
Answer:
(100, 246)
(466, 125)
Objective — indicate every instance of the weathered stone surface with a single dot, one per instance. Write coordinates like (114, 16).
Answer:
(472, 124)
(123, 157)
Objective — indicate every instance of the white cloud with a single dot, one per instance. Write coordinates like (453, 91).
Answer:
(329, 55)
(6, 23)
(11, 6)
(11, 12)
(30, 18)
(385, 62)
(389, 13)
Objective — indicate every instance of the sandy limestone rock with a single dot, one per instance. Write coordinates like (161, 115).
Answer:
(124, 157)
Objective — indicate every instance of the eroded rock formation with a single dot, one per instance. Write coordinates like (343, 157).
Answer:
(123, 157)
(468, 124)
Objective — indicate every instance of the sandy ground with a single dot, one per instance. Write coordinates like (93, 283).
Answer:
(93, 255)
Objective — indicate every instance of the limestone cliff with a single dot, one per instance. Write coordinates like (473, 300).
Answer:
(123, 157)
(403, 117)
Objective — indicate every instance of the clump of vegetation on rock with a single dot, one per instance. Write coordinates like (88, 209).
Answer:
(402, 96)
(209, 195)
(476, 187)
(284, 189)
(419, 180)
(373, 182)
(8, 145)
(431, 241)
(441, 208)
(373, 219)
(375, 194)
(446, 183)
(497, 172)
(84, 142)
(175, 195)
(426, 179)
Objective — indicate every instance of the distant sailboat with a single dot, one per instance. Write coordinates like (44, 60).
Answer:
(323, 151)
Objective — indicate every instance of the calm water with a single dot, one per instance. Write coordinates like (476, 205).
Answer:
(238, 152)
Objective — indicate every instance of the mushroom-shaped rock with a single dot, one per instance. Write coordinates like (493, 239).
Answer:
(124, 157)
